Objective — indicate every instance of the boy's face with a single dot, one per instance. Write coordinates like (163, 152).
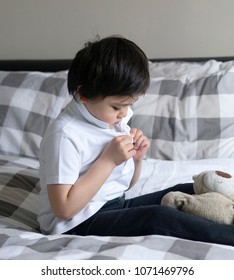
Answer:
(111, 109)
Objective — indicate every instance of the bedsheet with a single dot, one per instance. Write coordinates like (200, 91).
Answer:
(24, 245)
(24, 241)
(162, 174)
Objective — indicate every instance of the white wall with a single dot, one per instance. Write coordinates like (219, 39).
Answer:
(163, 28)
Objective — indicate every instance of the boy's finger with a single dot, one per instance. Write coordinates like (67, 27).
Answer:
(133, 132)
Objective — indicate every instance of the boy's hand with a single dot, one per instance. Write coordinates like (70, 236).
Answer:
(119, 150)
(140, 142)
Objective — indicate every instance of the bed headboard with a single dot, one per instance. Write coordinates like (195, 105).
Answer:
(51, 65)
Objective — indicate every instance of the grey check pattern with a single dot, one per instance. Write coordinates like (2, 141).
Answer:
(188, 118)
(29, 101)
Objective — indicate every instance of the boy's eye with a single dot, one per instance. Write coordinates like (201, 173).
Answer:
(115, 108)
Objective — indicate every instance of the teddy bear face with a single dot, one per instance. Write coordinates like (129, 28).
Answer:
(214, 181)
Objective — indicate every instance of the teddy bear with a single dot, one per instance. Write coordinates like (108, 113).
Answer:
(213, 197)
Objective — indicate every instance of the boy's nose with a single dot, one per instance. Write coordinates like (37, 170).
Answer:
(123, 113)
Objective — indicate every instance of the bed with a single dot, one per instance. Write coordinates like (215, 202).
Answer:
(192, 99)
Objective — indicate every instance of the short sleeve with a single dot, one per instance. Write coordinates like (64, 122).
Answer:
(61, 159)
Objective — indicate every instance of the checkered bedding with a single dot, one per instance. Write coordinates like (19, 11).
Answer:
(188, 110)
(193, 103)
(20, 239)
(29, 101)
(20, 245)
(19, 188)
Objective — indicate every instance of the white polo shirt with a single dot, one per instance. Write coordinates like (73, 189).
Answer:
(70, 146)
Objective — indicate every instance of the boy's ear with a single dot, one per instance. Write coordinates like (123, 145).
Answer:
(81, 98)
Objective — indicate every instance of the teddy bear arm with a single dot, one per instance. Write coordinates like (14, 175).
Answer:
(175, 199)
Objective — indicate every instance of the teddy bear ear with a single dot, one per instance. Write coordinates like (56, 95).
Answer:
(223, 174)
(194, 176)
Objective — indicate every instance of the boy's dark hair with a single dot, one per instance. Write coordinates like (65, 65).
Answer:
(107, 67)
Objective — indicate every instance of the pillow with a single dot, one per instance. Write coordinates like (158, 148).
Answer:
(187, 112)
(19, 189)
(29, 101)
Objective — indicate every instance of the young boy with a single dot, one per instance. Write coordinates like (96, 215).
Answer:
(90, 157)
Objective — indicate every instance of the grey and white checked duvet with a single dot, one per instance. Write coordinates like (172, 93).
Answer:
(188, 115)
(20, 238)
(20, 245)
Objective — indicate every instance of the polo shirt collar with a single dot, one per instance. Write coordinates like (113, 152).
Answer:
(91, 119)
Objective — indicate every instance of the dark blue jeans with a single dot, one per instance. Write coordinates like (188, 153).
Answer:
(144, 215)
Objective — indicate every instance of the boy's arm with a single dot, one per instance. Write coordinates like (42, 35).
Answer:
(68, 200)
(137, 172)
